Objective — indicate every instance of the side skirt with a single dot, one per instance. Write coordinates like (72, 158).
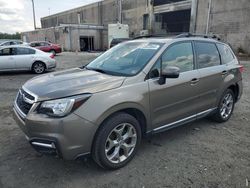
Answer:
(182, 121)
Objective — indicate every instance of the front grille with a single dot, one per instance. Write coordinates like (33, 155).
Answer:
(27, 95)
(22, 104)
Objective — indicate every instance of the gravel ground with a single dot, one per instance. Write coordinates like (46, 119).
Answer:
(200, 154)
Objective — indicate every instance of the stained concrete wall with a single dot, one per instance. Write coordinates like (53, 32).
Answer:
(132, 15)
(229, 18)
(88, 14)
(102, 13)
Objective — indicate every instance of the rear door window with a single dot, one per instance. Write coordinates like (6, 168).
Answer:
(226, 53)
(207, 54)
(24, 51)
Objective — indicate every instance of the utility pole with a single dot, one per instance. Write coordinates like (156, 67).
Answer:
(34, 16)
(208, 16)
(151, 16)
(193, 19)
(120, 11)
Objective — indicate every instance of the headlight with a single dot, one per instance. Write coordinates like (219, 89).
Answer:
(62, 107)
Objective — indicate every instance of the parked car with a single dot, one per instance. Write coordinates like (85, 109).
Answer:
(17, 57)
(12, 42)
(116, 41)
(137, 88)
(47, 47)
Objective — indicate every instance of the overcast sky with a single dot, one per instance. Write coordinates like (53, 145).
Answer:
(16, 15)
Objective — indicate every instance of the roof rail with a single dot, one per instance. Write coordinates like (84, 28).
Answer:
(183, 35)
(149, 36)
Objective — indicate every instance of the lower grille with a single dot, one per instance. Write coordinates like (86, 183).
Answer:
(22, 104)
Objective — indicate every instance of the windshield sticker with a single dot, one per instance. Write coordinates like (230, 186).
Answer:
(151, 47)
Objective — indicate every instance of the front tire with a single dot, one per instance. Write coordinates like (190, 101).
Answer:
(117, 141)
(39, 67)
(225, 108)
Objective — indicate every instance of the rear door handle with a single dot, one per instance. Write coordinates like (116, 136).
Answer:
(195, 81)
(224, 72)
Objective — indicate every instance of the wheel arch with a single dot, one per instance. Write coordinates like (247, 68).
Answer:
(38, 61)
(136, 112)
(235, 89)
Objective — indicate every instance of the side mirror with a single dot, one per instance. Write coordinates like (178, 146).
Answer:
(169, 72)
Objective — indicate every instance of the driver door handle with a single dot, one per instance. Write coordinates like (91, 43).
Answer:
(195, 81)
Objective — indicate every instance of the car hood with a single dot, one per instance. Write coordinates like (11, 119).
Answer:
(71, 82)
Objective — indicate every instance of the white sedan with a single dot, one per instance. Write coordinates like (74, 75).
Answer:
(25, 58)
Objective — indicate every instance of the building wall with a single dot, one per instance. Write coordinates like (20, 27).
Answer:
(102, 13)
(132, 15)
(88, 14)
(67, 37)
(229, 18)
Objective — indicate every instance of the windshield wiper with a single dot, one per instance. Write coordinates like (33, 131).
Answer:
(106, 71)
(97, 70)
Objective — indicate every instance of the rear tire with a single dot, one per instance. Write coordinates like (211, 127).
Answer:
(225, 108)
(38, 67)
(117, 141)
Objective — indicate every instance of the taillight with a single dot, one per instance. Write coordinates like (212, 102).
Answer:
(241, 68)
(52, 56)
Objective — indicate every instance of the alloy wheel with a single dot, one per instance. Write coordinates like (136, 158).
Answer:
(226, 106)
(39, 68)
(121, 143)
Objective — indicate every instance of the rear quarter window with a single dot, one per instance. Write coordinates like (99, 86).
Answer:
(226, 54)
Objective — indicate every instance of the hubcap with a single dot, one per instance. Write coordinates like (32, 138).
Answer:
(39, 68)
(120, 143)
(226, 106)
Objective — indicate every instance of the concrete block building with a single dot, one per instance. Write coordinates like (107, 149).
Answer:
(85, 28)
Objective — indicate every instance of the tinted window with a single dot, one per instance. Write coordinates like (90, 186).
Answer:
(179, 55)
(207, 54)
(226, 53)
(6, 51)
(24, 51)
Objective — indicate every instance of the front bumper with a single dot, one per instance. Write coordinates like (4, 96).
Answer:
(68, 137)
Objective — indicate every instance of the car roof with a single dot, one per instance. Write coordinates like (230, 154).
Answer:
(9, 40)
(172, 39)
(17, 46)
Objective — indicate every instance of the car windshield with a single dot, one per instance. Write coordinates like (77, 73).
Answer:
(126, 59)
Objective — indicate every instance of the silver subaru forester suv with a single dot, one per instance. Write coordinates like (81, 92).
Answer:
(137, 88)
